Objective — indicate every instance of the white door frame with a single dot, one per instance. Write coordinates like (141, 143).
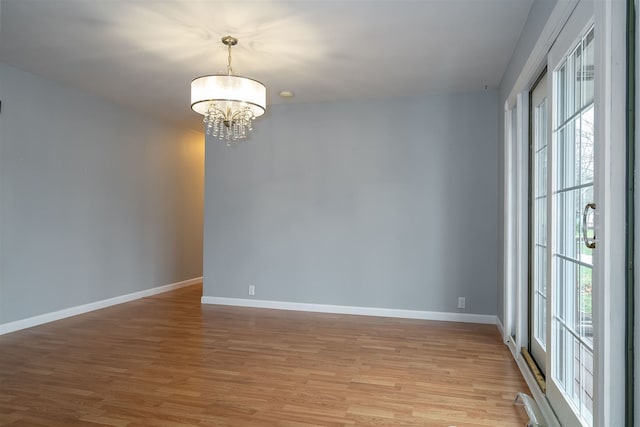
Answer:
(516, 225)
(609, 313)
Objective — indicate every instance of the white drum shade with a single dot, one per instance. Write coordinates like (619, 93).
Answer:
(228, 92)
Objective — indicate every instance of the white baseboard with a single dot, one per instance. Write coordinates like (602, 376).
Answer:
(362, 311)
(500, 327)
(85, 308)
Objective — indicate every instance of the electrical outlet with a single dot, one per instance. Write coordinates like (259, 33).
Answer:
(252, 289)
(461, 302)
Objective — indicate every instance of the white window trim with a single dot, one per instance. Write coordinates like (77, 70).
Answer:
(509, 217)
(522, 215)
(516, 228)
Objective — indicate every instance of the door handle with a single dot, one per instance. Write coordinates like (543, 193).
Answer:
(590, 242)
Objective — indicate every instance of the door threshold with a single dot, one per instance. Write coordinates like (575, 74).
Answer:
(537, 374)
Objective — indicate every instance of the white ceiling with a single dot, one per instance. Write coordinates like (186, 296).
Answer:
(144, 54)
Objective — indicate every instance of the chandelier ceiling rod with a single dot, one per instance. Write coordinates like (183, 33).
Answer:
(229, 41)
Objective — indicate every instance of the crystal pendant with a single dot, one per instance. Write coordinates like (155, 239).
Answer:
(230, 126)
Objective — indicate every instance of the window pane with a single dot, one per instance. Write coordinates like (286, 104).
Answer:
(541, 315)
(585, 326)
(587, 70)
(561, 84)
(568, 217)
(542, 257)
(540, 206)
(584, 161)
(587, 389)
(576, 65)
(560, 355)
(541, 172)
(566, 155)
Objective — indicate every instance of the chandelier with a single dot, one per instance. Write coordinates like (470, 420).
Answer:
(228, 102)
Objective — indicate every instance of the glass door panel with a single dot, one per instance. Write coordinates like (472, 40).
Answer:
(538, 218)
(572, 261)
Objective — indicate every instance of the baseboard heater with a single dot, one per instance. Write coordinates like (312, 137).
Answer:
(531, 408)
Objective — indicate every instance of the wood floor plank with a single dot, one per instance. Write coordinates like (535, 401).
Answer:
(168, 361)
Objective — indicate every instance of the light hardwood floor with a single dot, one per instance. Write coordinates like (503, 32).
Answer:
(168, 361)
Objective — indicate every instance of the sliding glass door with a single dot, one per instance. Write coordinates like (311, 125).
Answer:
(570, 313)
(571, 216)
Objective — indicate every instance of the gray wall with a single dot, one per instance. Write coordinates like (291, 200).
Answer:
(376, 204)
(536, 20)
(95, 201)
